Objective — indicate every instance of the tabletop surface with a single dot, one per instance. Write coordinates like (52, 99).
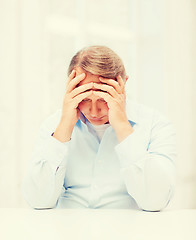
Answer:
(96, 224)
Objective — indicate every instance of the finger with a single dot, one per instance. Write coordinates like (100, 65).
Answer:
(111, 82)
(106, 88)
(80, 97)
(81, 89)
(74, 82)
(71, 76)
(103, 95)
(121, 83)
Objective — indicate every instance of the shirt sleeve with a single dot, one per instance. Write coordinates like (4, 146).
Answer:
(148, 166)
(43, 182)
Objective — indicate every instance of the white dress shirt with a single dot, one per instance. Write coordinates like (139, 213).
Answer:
(93, 170)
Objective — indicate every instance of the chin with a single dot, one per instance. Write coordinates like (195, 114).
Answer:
(99, 122)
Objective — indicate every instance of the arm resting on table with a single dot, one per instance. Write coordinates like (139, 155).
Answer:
(149, 169)
(44, 179)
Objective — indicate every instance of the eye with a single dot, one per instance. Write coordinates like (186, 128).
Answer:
(86, 100)
(101, 100)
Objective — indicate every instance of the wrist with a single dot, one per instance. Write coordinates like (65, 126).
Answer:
(123, 131)
(63, 132)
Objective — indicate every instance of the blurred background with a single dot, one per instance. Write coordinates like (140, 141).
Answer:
(156, 40)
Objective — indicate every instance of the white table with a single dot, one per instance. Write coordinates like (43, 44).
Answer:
(96, 224)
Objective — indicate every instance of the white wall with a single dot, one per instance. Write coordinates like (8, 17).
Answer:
(155, 39)
(180, 95)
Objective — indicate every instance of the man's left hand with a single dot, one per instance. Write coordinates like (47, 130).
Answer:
(115, 97)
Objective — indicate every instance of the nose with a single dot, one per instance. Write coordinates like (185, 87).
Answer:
(94, 109)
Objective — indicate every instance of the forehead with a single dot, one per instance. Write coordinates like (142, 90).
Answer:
(89, 77)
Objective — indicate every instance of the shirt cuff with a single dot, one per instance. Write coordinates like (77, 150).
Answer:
(55, 152)
(132, 150)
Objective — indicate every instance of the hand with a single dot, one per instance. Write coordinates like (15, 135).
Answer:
(115, 97)
(73, 96)
(70, 113)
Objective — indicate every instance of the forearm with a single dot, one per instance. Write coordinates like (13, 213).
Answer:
(41, 187)
(148, 170)
(63, 132)
(45, 176)
(151, 185)
(123, 130)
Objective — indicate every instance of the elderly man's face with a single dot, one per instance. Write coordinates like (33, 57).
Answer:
(94, 108)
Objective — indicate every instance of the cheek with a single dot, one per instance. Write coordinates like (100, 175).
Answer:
(82, 106)
(104, 107)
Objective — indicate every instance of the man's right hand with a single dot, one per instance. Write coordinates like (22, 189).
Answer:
(70, 113)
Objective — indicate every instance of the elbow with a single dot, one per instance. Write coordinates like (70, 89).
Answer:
(153, 206)
(40, 204)
(36, 200)
(42, 207)
(156, 204)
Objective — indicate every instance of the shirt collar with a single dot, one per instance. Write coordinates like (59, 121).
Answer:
(82, 117)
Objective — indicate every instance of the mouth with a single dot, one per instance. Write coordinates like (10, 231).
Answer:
(95, 119)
